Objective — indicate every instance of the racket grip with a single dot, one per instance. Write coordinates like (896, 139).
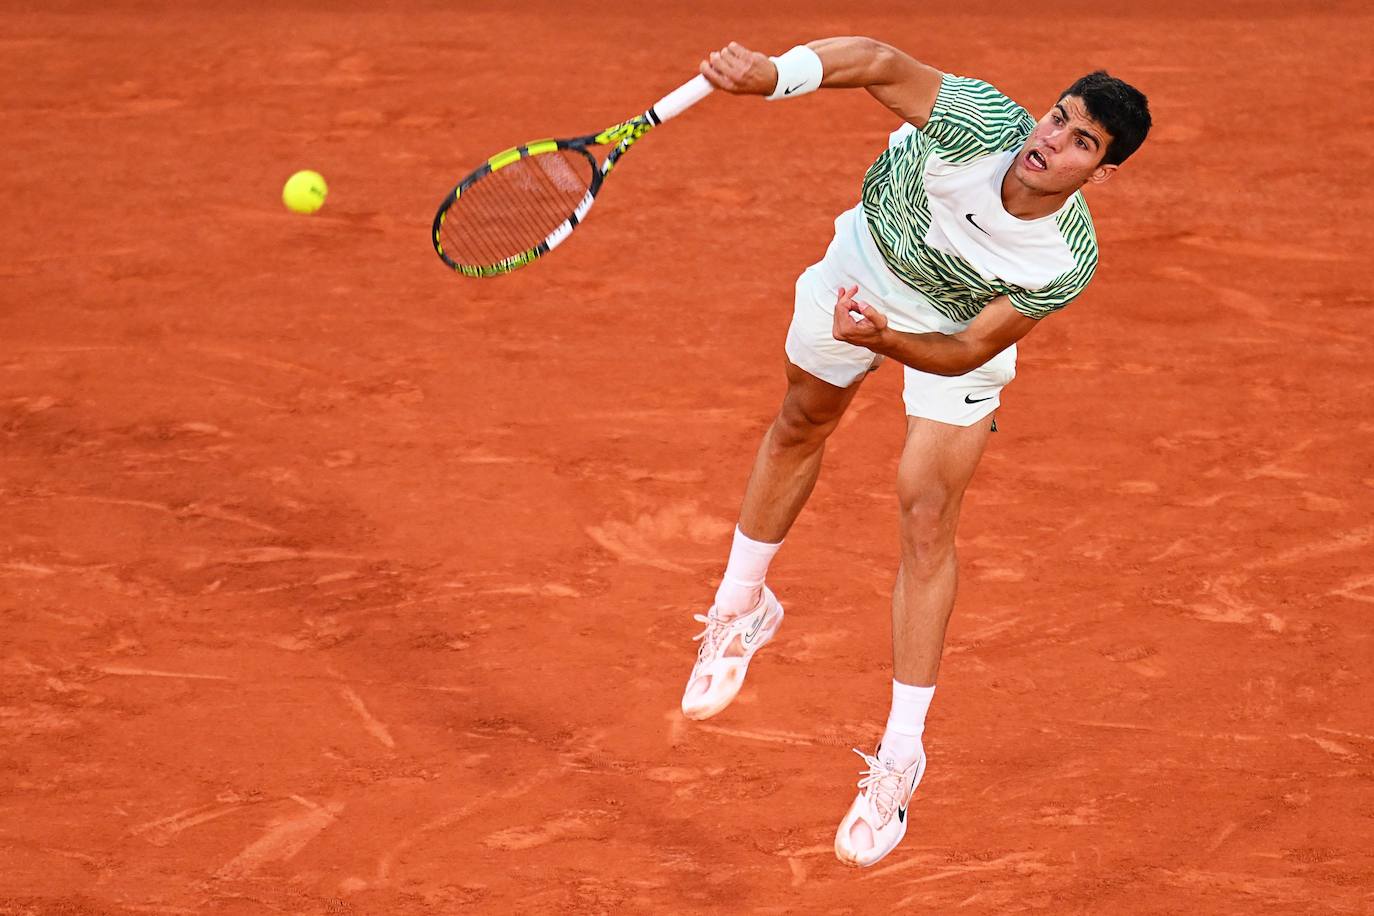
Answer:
(680, 99)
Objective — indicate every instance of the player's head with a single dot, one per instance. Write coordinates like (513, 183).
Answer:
(1096, 124)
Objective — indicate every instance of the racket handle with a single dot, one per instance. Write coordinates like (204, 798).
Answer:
(680, 99)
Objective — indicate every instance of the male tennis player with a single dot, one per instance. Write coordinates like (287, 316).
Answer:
(971, 229)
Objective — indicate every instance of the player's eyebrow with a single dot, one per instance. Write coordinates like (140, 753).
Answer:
(1087, 134)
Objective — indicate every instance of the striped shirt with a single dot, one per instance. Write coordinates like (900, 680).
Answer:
(934, 207)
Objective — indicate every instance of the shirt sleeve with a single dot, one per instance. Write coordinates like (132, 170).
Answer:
(1076, 229)
(1056, 294)
(971, 119)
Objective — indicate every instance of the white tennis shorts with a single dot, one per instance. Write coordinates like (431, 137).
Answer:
(853, 260)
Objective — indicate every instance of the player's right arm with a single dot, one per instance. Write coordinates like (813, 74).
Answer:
(896, 79)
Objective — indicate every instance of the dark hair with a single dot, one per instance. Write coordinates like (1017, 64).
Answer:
(1121, 109)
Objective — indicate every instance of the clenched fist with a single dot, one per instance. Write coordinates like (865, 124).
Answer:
(736, 69)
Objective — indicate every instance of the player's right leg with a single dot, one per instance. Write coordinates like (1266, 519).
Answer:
(746, 614)
(788, 462)
(823, 375)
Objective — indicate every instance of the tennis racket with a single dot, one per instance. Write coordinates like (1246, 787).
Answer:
(524, 202)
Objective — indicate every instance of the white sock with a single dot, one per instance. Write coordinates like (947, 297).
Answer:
(742, 584)
(906, 723)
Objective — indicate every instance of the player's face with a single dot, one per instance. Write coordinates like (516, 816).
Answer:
(1065, 150)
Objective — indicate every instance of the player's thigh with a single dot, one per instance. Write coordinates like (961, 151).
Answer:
(813, 402)
(938, 461)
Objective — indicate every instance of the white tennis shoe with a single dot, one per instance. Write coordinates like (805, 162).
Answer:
(722, 659)
(876, 822)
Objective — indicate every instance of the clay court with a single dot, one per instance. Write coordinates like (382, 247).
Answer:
(333, 582)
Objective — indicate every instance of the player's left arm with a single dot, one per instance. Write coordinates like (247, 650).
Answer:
(998, 326)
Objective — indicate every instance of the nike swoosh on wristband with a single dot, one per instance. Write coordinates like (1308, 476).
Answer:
(792, 89)
(969, 399)
(969, 217)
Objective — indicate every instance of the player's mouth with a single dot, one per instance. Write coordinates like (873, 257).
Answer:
(1035, 161)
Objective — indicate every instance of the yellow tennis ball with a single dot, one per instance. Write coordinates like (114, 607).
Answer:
(304, 192)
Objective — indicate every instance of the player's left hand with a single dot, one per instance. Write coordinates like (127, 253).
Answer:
(858, 322)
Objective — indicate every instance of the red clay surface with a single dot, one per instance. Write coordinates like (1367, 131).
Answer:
(334, 583)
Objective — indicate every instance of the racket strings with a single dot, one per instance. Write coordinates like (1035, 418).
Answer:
(512, 209)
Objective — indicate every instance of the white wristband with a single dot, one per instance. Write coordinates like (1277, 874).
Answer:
(799, 72)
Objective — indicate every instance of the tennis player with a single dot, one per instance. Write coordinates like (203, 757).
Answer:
(972, 228)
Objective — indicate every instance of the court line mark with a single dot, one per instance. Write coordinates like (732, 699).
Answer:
(374, 727)
(148, 672)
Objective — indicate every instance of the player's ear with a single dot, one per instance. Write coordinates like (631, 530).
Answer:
(1102, 173)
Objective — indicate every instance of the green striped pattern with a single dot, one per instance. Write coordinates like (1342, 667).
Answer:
(970, 120)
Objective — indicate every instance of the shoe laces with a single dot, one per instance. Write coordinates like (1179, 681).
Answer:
(884, 785)
(713, 635)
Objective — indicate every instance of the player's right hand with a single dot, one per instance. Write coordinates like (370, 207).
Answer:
(736, 69)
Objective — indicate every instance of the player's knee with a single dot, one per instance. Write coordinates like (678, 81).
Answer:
(928, 519)
(799, 424)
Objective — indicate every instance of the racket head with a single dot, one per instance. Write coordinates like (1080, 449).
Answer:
(516, 207)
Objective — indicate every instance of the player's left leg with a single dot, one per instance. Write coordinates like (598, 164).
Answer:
(938, 461)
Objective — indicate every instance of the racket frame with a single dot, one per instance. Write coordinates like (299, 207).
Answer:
(622, 136)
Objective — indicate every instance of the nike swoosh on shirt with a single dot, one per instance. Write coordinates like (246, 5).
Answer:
(970, 399)
(969, 217)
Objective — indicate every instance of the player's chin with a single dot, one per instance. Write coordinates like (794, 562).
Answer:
(1047, 181)
(1031, 178)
